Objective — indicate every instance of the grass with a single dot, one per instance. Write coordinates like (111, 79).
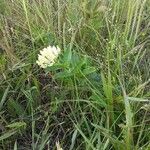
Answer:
(90, 110)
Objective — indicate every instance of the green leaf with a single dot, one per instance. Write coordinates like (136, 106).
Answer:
(97, 98)
(4, 97)
(55, 67)
(67, 56)
(62, 75)
(74, 136)
(7, 134)
(89, 70)
(15, 108)
(17, 125)
(15, 146)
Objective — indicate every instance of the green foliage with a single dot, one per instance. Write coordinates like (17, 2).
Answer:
(72, 65)
(96, 96)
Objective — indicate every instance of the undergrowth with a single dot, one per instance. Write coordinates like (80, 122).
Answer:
(104, 104)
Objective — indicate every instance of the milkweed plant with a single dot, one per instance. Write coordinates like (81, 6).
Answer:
(64, 64)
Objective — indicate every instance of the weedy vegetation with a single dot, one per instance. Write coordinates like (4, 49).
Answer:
(97, 96)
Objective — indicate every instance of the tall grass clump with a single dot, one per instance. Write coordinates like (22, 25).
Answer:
(95, 95)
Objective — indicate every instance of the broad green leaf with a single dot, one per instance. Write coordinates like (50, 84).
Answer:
(15, 108)
(89, 70)
(62, 75)
(67, 56)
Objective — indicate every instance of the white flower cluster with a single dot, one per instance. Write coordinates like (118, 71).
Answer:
(48, 56)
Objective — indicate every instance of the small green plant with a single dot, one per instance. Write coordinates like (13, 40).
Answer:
(69, 65)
